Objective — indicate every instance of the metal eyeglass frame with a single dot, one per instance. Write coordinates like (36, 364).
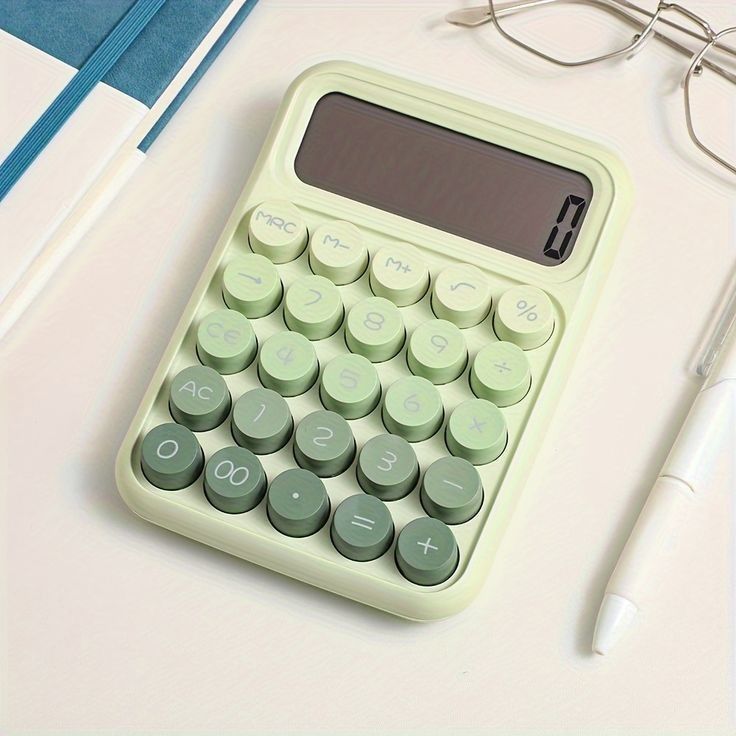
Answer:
(645, 25)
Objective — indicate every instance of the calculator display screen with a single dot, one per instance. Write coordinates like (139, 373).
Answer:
(448, 180)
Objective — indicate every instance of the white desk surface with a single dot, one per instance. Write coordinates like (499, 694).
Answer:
(113, 623)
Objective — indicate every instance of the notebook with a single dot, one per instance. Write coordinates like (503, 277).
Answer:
(68, 142)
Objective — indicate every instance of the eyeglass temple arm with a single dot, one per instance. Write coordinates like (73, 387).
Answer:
(480, 14)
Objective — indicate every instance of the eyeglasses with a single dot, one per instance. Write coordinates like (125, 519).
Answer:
(709, 103)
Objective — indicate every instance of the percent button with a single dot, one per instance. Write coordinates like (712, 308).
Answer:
(525, 317)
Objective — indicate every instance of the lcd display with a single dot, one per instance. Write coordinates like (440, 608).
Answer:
(448, 180)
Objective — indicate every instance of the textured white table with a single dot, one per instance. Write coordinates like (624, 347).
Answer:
(112, 623)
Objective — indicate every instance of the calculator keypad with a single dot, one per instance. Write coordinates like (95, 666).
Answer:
(416, 384)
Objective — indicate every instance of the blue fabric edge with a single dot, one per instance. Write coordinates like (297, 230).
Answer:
(198, 73)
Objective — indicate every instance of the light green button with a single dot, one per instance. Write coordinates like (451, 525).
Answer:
(476, 431)
(362, 528)
(251, 284)
(324, 444)
(297, 503)
(387, 467)
(276, 230)
(261, 421)
(337, 251)
(313, 306)
(288, 363)
(501, 374)
(451, 490)
(437, 351)
(399, 273)
(350, 386)
(226, 341)
(171, 457)
(234, 480)
(426, 551)
(524, 316)
(199, 398)
(462, 295)
(374, 329)
(412, 409)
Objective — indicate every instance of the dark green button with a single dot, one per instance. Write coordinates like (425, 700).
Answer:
(199, 398)
(362, 528)
(426, 551)
(171, 457)
(387, 467)
(261, 421)
(234, 480)
(297, 503)
(324, 444)
(451, 490)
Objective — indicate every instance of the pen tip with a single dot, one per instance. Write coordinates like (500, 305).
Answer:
(614, 617)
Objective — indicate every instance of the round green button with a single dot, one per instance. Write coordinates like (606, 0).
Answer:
(426, 551)
(234, 480)
(199, 398)
(413, 409)
(288, 363)
(313, 306)
(261, 421)
(276, 230)
(350, 386)
(171, 457)
(437, 351)
(251, 284)
(226, 341)
(324, 444)
(362, 528)
(476, 431)
(524, 316)
(297, 503)
(387, 467)
(337, 251)
(451, 490)
(462, 295)
(501, 374)
(374, 329)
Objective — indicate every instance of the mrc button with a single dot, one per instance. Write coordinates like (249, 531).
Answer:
(276, 230)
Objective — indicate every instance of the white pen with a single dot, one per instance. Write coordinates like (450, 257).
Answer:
(710, 427)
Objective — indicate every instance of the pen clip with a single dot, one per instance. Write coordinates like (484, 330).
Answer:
(725, 324)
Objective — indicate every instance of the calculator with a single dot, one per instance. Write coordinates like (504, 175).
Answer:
(365, 370)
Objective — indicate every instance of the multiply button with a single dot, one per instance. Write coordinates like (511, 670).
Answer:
(261, 421)
(524, 316)
(451, 490)
(501, 374)
(337, 252)
(476, 431)
(313, 307)
(362, 528)
(171, 457)
(462, 295)
(234, 480)
(350, 386)
(374, 329)
(387, 467)
(226, 341)
(426, 552)
(324, 444)
(413, 409)
(297, 503)
(288, 363)
(398, 274)
(276, 230)
(437, 351)
(199, 398)
(251, 284)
